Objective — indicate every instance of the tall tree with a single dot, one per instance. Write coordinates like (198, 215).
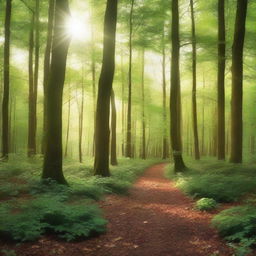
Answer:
(101, 162)
(165, 141)
(113, 157)
(194, 82)
(33, 85)
(175, 97)
(221, 79)
(143, 146)
(129, 110)
(52, 167)
(31, 137)
(237, 83)
(47, 60)
(6, 68)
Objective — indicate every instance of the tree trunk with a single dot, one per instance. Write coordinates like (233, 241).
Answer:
(143, 149)
(165, 141)
(5, 103)
(47, 62)
(113, 158)
(80, 132)
(31, 142)
(34, 45)
(129, 112)
(221, 79)
(101, 162)
(237, 84)
(68, 124)
(175, 97)
(194, 68)
(54, 92)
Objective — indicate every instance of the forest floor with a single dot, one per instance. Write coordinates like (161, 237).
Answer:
(156, 219)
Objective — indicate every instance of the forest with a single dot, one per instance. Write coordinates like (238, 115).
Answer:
(127, 127)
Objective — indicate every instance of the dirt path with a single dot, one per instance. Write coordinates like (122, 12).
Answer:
(156, 219)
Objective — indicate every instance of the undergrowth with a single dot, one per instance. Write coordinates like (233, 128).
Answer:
(31, 208)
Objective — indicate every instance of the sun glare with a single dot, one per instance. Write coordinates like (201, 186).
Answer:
(78, 28)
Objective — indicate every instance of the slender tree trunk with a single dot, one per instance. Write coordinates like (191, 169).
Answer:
(47, 62)
(54, 92)
(68, 124)
(175, 97)
(123, 106)
(113, 158)
(80, 132)
(33, 86)
(221, 79)
(203, 120)
(165, 141)
(129, 112)
(143, 149)
(93, 70)
(101, 162)
(194, 69)
(237, 84)
(5, 103)
(31, 142)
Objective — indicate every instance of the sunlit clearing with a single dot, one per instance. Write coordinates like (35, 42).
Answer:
(78, 28)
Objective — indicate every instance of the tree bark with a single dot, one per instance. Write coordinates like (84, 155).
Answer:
(31, 142)
(237, 84)
(101, 162)
(113, 158)
(68, 124)
(194, 69)
(221, 78)
(143, 148)
(33, 86)
(5, 103)
(52, 167)
(175, 97)
(80, 132)
(165, 141)
(129, 111)
(47, 62)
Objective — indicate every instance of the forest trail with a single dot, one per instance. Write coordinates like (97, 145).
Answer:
(156, 219)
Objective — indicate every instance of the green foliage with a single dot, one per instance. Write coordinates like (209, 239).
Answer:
(9, 253)
(238, 225)
(221, 181)
(206, 204)
(47, 214)
(48, 207)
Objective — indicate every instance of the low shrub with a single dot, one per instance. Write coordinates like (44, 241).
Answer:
(206, 204)
(48, 214)
(238, 226)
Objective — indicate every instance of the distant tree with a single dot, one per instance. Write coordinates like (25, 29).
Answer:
(34, 45)
(6, 92)
(52, 167)
(113, 157)
(221, 79)
(143, 146)
(101, 162)
(194, 81)
(175, 97)
(237, 83)
(129, 111)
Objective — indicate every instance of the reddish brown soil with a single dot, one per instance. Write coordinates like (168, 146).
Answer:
(156, 219)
